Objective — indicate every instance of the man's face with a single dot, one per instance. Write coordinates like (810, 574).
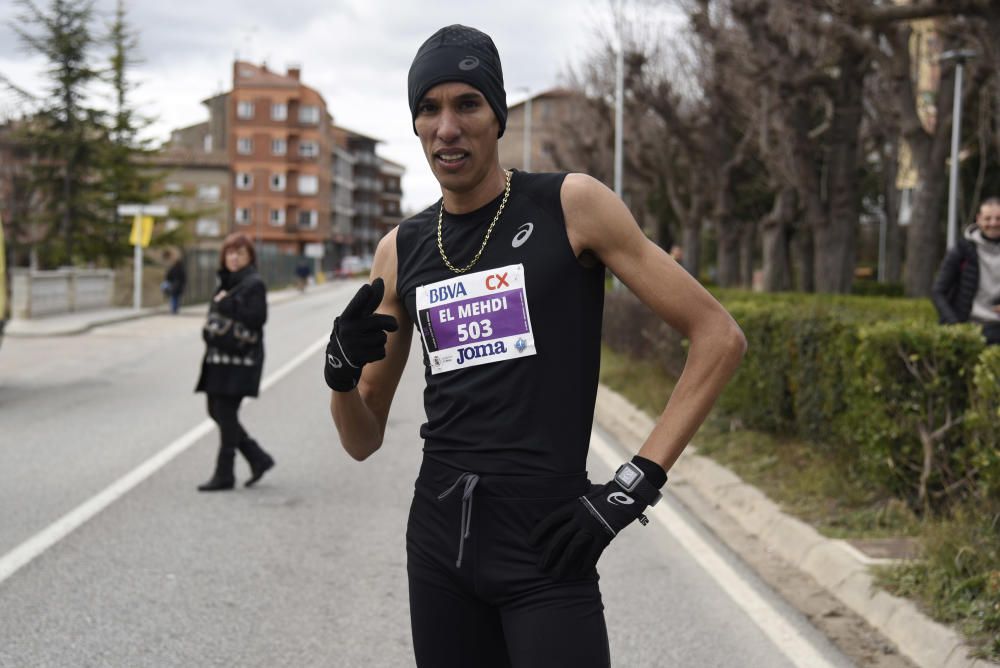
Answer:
(458, 131)
(989, 220)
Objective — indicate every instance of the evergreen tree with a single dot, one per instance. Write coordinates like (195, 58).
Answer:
(122, 173)
(66, 135)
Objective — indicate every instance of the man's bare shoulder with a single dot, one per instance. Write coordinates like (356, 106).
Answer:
(384, 263)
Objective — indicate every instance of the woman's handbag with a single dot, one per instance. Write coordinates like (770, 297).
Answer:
(228, 334)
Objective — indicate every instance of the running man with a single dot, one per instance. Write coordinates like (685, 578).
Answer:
(503, 279)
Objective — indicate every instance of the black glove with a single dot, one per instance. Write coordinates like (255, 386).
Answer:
(358, 337)
(573, 537)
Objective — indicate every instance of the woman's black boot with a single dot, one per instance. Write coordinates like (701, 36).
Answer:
(260, 462)
(223, 478)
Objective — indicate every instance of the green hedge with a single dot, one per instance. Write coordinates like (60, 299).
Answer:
(908, 395)
(981, 457)
(871, 379)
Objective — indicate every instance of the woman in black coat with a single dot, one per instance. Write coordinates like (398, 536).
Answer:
(228, 376)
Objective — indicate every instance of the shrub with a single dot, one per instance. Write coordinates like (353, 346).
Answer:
(907, 399)
(981, 455)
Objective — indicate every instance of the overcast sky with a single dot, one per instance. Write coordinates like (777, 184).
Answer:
(356, 53)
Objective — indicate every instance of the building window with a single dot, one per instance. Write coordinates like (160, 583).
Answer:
(277, 217)
(207, 227)
(277, 182)
(279, 147)
(309, 149)
(244, 145)
(244, 110)
(209, 193)
(308, 219)
(279, 111)
(309, 114)
(243, 216)
(308, 184)
(244, 181)
(206, 143)
(173, 187)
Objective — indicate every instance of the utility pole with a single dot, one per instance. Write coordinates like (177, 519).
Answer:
(959, 56)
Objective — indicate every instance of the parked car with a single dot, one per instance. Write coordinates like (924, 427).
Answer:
(352, 265)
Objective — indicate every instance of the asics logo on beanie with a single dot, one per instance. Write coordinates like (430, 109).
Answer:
(458, 53)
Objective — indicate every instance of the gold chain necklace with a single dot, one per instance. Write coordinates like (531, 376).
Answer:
(447, 262)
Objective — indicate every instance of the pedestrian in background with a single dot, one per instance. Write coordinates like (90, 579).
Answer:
(967, 287)
(174, 282)
(228, 374)
(302, 273)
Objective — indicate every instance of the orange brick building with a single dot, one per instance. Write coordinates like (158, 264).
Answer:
(279, 151)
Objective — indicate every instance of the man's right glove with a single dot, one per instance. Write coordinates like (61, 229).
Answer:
(572, 538)
(358, 337)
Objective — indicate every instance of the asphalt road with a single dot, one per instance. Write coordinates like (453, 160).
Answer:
(306, 569)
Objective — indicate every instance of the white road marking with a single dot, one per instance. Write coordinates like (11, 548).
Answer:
(24, 553)
(782, 633)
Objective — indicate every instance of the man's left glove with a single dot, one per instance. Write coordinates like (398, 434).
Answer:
(573, 537)
(358, 337)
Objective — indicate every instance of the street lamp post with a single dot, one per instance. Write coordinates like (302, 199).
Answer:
(959, 56)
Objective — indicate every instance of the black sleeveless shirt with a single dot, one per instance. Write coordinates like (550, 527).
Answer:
(531, 412)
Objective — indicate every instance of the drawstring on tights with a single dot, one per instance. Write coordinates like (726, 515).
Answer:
(470, 480)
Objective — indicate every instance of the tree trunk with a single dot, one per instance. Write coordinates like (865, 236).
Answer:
(774, 240)
(802, 258)
(925, 232)
(748, 244)
(691, 247)
(728, 256)
(837, 233)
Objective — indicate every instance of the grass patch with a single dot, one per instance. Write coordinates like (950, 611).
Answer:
(806, 482)
(957, 580)
(645, 385)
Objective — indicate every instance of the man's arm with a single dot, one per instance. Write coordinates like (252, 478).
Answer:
(948, 276)
(599, 222)
(361, 414)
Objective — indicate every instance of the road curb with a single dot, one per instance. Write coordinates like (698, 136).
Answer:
(838, 568)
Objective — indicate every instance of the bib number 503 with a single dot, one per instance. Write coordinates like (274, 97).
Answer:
(474, 330)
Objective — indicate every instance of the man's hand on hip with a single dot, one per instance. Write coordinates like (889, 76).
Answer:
(572, 538)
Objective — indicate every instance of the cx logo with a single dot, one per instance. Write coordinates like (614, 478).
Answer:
(497, 281)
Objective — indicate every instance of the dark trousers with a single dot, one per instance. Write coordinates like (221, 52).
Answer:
(224, 411)
(497, 609)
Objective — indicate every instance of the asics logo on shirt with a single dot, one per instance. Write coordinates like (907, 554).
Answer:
(522, 235)
(620, 499)
(468, 63)
(333, 361)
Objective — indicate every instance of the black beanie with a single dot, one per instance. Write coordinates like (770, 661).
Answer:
(459, 53)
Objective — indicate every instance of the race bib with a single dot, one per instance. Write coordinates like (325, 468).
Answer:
(475, 319)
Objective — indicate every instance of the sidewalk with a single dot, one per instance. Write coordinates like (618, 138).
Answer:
(837, 566)
(70, 324)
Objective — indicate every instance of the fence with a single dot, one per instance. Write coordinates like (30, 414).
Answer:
(276, 269)
(39, 293)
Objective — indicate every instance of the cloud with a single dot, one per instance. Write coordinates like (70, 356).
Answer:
(356, 53)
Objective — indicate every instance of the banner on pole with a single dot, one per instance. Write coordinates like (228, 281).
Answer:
(142, 231)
